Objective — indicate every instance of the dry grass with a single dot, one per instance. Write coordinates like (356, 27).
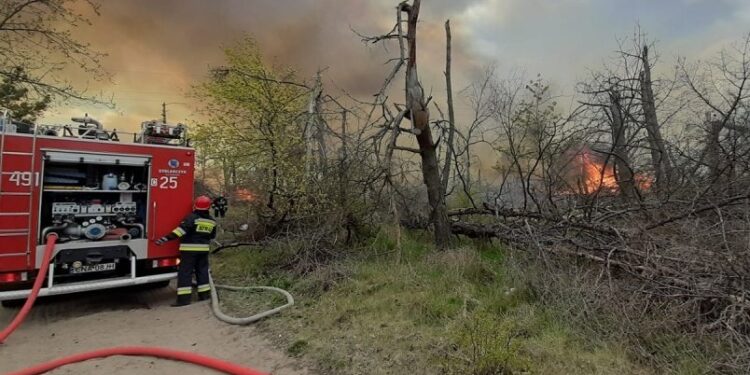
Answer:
(463, 311)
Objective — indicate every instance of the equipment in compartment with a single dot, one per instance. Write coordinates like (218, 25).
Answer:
(109, 181)
(93, 209)
(124, 184)
(65, 208)
(57, 175)
(94, 220)
(121, 178)
(93, 202)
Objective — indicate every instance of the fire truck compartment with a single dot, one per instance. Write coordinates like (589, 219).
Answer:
(97, 205)
(89, 197)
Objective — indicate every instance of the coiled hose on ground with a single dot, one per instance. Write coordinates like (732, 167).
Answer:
(250, 319)
(193, 358)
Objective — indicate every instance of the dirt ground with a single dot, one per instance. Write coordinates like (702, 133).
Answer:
(65, 325)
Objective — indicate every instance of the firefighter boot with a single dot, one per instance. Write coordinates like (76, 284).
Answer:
(182, 300)
(204, 296)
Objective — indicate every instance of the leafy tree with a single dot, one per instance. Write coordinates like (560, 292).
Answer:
(37, 49)
(255, 129)
(16, 98)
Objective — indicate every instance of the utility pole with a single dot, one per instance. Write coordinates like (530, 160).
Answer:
(164, 112)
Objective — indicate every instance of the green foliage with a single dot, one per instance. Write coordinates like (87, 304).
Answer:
(257, 138)
(17, 98)
(255, 132)
(490, 346)
(40, 53)
(244, 264)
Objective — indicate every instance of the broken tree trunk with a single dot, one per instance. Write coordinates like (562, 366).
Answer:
(451, 113)
(659, 157)
(623, 173)
(314, 135)
(712, 151)
(416, 104)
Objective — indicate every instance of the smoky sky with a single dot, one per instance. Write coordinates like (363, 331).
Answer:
(157, 49)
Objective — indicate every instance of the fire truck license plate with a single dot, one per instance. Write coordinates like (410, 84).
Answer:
(93, 268)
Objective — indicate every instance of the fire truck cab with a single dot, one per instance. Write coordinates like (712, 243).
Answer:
(107, 195)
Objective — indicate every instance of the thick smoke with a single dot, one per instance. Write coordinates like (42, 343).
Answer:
(158, 49)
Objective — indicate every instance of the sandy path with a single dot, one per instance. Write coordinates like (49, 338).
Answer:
(66, 325)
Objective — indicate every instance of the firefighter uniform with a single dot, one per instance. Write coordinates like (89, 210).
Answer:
(195, 233)
(219, 205)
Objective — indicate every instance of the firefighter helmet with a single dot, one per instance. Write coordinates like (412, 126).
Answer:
(202, 203)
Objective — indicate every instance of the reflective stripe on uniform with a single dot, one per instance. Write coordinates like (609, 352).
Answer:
(204, 225)
(204, 288)
(184, 290)
(194, 247)
(179, 232)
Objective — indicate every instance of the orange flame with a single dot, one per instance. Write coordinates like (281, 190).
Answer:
(244, 195)
(643, 182)
(595, 176)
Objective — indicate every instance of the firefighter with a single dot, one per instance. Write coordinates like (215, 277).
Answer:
(195, 233)
(220, 206)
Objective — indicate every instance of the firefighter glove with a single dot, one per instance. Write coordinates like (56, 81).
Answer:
(162, 241)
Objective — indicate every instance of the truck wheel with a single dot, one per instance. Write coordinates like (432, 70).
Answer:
(12, 303)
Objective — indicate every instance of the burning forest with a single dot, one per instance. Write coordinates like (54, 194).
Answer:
(590, 173)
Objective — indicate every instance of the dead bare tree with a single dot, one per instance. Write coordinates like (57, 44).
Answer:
(612, 108)
(530, 138)
(623, 173)
(659, 157)
(450, 146)
(416, 110)
(419, 114)
(720, 89)
(712, 150)
(622, 98)
(314, 128)
(462, 141)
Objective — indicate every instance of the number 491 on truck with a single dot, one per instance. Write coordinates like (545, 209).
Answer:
(106, 194)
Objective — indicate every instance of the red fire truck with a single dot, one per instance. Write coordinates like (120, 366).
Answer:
(105, 197)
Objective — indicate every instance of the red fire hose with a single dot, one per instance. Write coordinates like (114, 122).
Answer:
(51, 239)
(196, 359)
